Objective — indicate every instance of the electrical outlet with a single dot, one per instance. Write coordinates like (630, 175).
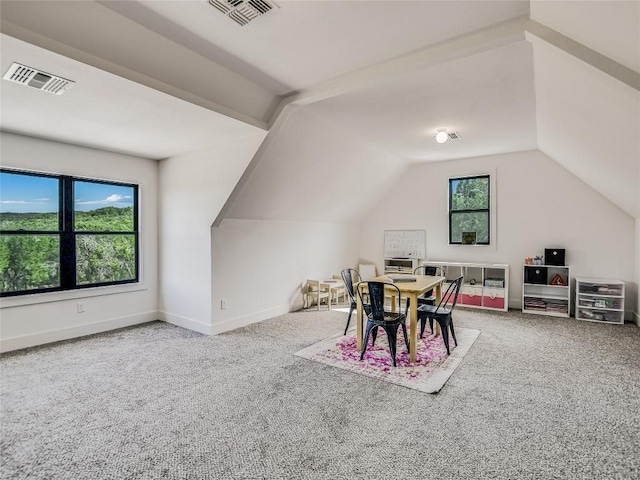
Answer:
(80, 307)
(223, 304)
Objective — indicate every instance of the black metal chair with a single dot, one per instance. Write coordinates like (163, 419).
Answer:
(428, 298)
(378, 317)
(442, 313)
(352, 277)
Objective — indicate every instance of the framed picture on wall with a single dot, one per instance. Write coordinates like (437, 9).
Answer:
(468, 238)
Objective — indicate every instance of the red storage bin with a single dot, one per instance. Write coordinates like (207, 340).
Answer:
(493, 298)
(471, 296)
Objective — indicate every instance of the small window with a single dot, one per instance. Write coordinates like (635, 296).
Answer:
(469, 210)
(63, 233)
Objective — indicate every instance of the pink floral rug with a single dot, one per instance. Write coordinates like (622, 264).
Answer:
(431, 371)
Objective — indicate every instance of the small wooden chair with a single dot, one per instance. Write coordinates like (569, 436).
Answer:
(338, 289)
(316, 290)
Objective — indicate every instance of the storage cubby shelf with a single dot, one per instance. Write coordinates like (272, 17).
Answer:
(540, 297)
(483, 293)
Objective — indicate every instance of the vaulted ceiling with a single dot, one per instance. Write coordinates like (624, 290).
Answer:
(341, 86)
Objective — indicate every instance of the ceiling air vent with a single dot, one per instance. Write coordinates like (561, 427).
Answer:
(243, 11)
(453, 135)
(34, 78)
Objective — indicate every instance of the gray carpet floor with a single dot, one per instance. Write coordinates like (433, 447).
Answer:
(535, 398)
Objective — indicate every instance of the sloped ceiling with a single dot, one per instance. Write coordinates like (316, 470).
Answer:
(488, 98)
(91, 33)
(589, 121)
(359, 142)
(376, 84)
(519, 96)
(609, 27)
(105, 111)
(304, 43)
(314, 170)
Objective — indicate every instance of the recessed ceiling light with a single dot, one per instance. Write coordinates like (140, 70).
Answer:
(442, 136)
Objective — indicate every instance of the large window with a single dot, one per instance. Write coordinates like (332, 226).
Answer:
(469, 210)
(63, 233)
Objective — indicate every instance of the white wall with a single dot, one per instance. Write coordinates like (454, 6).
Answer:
(637, 304)
(259, 267)
(539, 204)
(290, 221)
(194, 188)
(42, 318)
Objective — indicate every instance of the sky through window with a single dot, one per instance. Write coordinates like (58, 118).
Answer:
(36, 194)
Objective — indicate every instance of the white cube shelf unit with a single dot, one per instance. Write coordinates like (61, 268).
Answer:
(600, 300)
(540, 292)
(486, 285)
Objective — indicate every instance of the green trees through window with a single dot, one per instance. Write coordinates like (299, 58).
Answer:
(469, 209)
(61, 233)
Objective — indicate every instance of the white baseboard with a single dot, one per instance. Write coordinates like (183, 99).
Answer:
(231, 324)
(515, 304)
(184, 322)
(238, 322)
(49, 336)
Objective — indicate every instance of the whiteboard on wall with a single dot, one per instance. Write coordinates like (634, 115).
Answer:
(405, 243)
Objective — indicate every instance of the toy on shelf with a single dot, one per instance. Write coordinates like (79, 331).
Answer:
(558, 280)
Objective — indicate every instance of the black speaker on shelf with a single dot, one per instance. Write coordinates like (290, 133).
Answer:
(554, 256)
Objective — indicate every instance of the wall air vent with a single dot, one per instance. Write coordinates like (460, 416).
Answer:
(243, 11)
(34, 78)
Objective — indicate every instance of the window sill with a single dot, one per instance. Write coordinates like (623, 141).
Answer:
(470, 245)
(36, 298)
(491, 246)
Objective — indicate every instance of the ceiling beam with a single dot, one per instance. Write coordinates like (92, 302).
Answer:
(17, 22)
(603, 63)
(459, 47)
